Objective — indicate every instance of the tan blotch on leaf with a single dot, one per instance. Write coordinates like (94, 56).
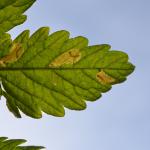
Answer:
(14, 54)
(104, 78)
(70, 57)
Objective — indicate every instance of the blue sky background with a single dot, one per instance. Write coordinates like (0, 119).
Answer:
(120, 120)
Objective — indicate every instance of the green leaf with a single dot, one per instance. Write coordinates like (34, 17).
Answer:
(5, 44)
(1, 92)
(6, 144)
(11, 13)
(45, 73)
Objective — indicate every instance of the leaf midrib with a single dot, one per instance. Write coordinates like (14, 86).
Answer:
(48, 68)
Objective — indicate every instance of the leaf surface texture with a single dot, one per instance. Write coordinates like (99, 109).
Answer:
(45, 73)
(11, 13)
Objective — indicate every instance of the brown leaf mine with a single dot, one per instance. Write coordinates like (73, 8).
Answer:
(70, 57)
(15, 53)
(104, 78)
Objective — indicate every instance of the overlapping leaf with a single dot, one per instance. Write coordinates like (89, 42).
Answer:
(6, 144)
(11, 13)
(5, 44)
(45, 73)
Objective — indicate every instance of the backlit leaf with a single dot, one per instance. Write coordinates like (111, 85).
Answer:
(45, 73)
(11, 13)
(6, 144)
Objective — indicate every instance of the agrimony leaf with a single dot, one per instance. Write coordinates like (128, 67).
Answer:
(11, 13)
(6, 144)
(45, 73)
(5, 44)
